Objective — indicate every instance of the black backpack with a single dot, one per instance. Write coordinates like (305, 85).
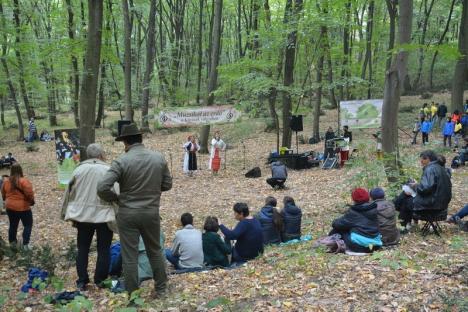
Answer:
(455, 162)
(254, 173)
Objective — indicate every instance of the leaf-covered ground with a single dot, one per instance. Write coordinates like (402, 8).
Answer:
(421, 274)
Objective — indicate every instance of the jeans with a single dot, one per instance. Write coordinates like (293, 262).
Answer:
(449, 137)
(174, 260)
(425, 137)
(457, 138)
(26, 219)
(84, 239)
(463, 212)
(132, 224)
(276, 182)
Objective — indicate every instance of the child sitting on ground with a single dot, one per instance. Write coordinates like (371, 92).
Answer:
(215, 250)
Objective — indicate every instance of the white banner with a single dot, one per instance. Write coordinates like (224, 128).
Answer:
(198, 116)
(361, 113)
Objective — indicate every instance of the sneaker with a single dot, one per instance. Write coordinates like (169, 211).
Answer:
(451, 219)
(26, 247)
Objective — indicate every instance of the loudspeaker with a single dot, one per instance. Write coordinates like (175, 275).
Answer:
(254, 173)
(296, 123)
(120, 124)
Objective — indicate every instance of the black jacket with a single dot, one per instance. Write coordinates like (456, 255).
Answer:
(360, 219)
(442, 110)
(292, 216)
(271, 234)
(434, 192)
(404, 204)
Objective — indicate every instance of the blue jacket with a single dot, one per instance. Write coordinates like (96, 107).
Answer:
(426, 126)
(292, 217)
(271, 234)
(464, 121)
(249, 239)
(448, 128)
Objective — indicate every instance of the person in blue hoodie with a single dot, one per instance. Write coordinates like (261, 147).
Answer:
(271, 221)
(426, 127)
(292, 218)
(447, 132)
(359, 226)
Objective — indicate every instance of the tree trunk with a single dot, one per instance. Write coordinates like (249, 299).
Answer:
(441, 39)
(127, 61)
(291, 18)
(90, 75)
(344, 93)
(460, 75)
(150, 55)
(318, 102)
(392, 12)
(422, 41)
(101, 98)
(239, 28)
(368, 56)
(274, 115)
(394, 80)
(75, 77)
(200, 50)
(3, 99)
(24, 92)
(213, 76)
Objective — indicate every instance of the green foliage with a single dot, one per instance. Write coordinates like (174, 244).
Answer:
(78, 304)
(219, 301)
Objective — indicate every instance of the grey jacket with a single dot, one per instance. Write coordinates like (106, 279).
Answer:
(278, 170)
(142, 176)
(386, 215)
(188, 245)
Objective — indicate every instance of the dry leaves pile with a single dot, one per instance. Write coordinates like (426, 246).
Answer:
(421, 274)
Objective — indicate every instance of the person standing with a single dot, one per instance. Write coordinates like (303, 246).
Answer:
(18, 195)
(457, 132)
(434, 109)
(344, 152)
(425, 129)
(416, 130)
(441, 114)
(142, 176)
(90, 215)
(32, 130)
(191, 148)
(329, 151)
(449, 128)
(217, 145)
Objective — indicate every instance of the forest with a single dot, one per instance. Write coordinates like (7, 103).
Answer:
(271, 58)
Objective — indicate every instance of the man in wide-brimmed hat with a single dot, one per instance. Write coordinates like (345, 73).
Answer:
(142, 175)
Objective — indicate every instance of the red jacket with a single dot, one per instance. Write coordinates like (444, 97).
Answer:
(14, 199)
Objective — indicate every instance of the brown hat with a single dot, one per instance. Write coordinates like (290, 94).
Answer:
(128, 130)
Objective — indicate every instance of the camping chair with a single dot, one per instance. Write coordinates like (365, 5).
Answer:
(432, 219)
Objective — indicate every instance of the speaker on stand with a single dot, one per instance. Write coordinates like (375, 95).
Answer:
(296, 125)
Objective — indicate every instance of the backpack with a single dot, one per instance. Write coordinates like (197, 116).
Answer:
(254, 173)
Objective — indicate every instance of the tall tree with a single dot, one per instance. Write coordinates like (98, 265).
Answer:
(368, 56)
(127, 60)
(150, 55)
(90, 75)
(16, 16)
(75, 76)
(422, 40)
(394, 79)
(213, 76)
(11, 87)
(292, 12)
(460, 75)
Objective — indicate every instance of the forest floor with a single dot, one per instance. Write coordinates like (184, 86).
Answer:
(421, 274)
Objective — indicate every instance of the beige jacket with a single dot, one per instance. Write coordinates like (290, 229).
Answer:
(81, 202)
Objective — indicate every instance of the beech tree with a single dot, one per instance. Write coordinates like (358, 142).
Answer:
(460, 75)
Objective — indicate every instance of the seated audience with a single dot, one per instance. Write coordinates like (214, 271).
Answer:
(215, 249)
(45, 136)
(404, 204)
(358, 227)
(187, 247)
(279, 174)
(386, 215)
(442, 161)
(292, 216)
(247, 233)
(271, 221)
(7, 161)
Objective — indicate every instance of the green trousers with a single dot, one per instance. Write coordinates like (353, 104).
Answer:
(131, 225)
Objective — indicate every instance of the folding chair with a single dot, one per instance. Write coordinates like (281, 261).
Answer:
(432, 219)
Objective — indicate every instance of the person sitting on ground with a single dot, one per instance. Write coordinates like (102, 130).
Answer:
(279, 174)
(187, 247)
(215, 249)
(89, 214)
(18, 195)
(7, 161)
(45, 136)
(359, 227)
(434, 191)
(247, 233)
(292, 218)
(457, 218)
(404, 204)
(463, 152)
(386, 215)
(271, 221)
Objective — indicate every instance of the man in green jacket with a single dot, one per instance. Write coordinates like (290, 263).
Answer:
(142, 176)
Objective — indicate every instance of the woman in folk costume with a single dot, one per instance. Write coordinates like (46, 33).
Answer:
(191, 148)
(217, 145)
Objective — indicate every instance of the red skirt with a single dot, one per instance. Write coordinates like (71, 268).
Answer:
(216, 161)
